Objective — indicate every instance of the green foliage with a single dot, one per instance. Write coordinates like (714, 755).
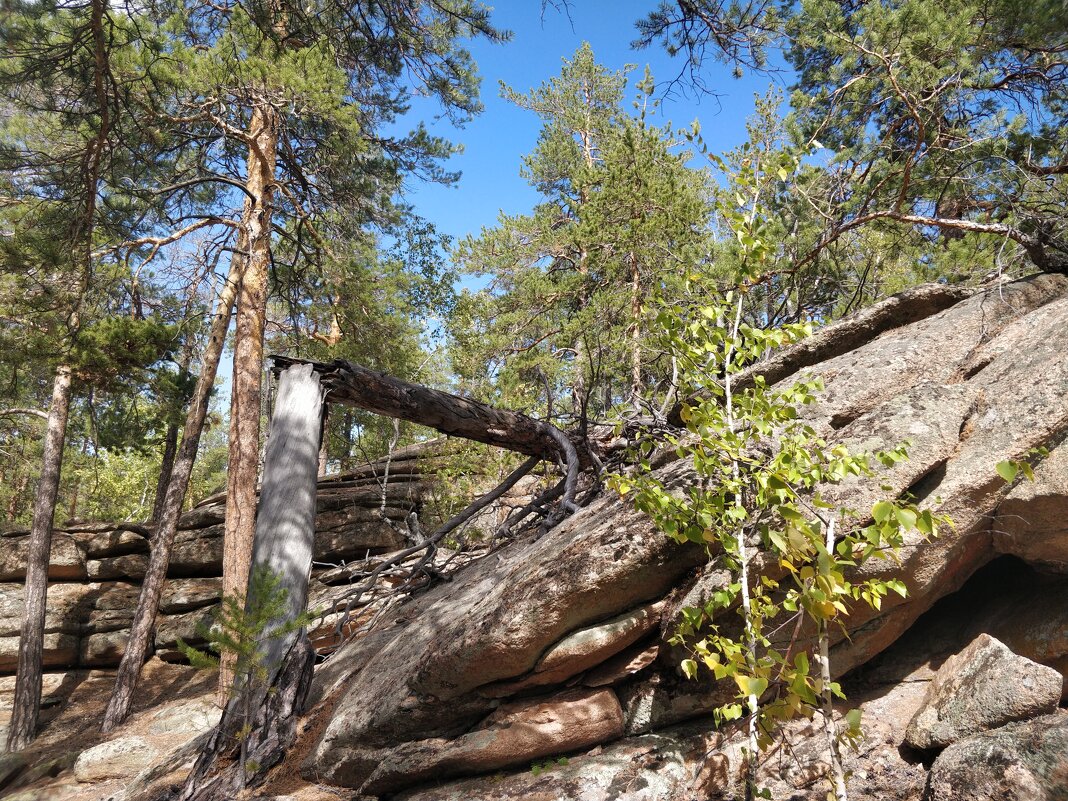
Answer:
(762, 474)
(244, 628)
(241, 629)
(561, 328)
(944, 121)
(1009, 469)
(544, 766)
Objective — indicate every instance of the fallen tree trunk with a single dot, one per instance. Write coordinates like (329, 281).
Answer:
(353, 385)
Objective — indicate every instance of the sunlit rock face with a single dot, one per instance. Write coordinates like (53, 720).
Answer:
(969, 386)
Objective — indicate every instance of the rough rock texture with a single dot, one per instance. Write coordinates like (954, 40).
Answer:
(421, 677)
(517, 733)
(116, 759)
(474, 675)
(94, 568)
(667, 765)
(983, 687)
(1026, 761)
(950, 383)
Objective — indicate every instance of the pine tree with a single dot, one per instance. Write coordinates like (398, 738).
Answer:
(564, 316)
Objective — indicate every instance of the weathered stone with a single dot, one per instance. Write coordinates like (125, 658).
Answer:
(515, 734)
(583, 649)
(1032, 521)
(184, 627)
(103, 649)
(197, 552)
(185, 595)
(122, 758)
(11, 764)
(130, 567)
(663, 700)
(190, 718)
(49, 767)
(983, 687)
(66, 560)
(112, 542)
(668, 766)
(59, 650)
(203, 516)
(622, 665)
(1025, 761)
(493, 622)
(66, 610)
(355, 538)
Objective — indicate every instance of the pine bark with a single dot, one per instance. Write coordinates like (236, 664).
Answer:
(170, 443)
(246, 388)
(27, 702)
(144, 620)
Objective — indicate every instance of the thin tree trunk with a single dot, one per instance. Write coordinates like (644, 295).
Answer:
(162, 542)
(830, 730)
(635, 331)
(251, 317)
(166, 469)
(26, 708)
(752, 702)
(170, 444)
(324, 456)
(23, 727)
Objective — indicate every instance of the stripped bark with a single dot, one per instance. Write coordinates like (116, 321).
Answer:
(159, 559)
(259, 721)
(351, 384)
(246, 388)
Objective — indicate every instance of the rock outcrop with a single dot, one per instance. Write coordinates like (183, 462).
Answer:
(94, 568)
(968, 387)
(1026, 761)
(544, 671)
(983, 687)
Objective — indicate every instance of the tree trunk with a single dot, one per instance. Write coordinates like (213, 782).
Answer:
(170, 443)
(635, 331)
(246, 388)
(376, 392)
(163, 540)
(266, 709)
(14, 504)
(23, 727)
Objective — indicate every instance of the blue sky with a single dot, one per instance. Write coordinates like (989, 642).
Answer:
(496, 140)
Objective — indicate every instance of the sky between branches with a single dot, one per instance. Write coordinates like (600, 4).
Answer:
(496, 140)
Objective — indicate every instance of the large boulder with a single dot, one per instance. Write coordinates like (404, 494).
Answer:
(121, 758)
(983, 687)
(420, 677)
(949, 383)
(1026, 761)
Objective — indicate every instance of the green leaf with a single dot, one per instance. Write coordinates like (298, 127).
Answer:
(881, 511)
(751, 685)
(689, 668)
(1007, 470)
(906, 517)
